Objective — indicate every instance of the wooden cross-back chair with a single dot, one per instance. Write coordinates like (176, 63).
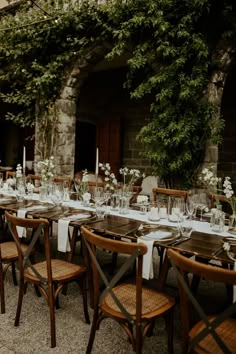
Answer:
(212, 334)
(169, 193)
(159, 193)
(133, 306)
(62, 180)
(10, 174)
(48, 275)
(8, 258)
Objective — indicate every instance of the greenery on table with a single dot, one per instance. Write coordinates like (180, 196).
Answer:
(170, 45)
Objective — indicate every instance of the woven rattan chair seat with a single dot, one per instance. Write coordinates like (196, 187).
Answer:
(208, 345)
(152, 301)
(9, 250)
(60, 270)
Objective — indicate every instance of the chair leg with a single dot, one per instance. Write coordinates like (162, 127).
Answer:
(13, 270)
(169, 321)
(82, 285)
(92, 331)
(19, 304)
(52, 316)
(57, 303)
(2, 291)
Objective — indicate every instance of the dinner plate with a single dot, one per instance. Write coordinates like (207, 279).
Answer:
(171, 233)
(232, 230)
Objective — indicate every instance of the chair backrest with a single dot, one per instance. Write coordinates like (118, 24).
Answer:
(35, 179)
(218, 198)
(90, 177)
(37, 226)
(93, 185)
(169, 192)
(62, 180)
(148, 183)
(133, 250)
(184, 265)
(10, 174)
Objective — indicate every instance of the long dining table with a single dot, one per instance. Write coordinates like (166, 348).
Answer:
(203, 243)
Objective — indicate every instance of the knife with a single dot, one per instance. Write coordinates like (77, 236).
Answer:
(177, 242)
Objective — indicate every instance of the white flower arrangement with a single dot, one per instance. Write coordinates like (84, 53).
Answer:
(46, 168)
(86, 197)
(213, 183)
(130, 176)
(83, 186)
(142, 199)
(110, 178)
(209, 180)
(19, 173)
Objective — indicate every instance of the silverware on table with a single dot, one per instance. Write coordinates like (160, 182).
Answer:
(178, 241)
(217, 251)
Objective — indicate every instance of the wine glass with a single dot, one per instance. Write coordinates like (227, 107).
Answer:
(176, 209)
(77, 182)
(203, 203)
(98, 194)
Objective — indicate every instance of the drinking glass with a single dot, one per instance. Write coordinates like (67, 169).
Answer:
(203, 203)
(176, 209)
(101, 208)
(115, 201)
(20, 193)
(186, 227)
(77, 182)
(57, 193)
(98, 194)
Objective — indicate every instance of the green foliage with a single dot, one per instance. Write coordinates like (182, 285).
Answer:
(170, 45)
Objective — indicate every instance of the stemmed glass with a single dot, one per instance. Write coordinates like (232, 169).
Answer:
(203, 203)
(77, 182)
(98, 194)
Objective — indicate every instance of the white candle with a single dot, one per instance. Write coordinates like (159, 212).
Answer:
(97, 162)
(24, 158)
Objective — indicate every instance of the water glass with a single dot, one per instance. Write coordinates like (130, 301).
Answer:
(20, 193)
(115, 202)
(186, 227)
(57, 193)
(176, 209)
(101, 208)
(153, 214)
(124, 205)
(43, 193)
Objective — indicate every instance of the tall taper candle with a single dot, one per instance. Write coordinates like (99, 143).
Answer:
(24, 158)
(97, 162)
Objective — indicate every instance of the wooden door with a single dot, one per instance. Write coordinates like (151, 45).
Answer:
(109, 142)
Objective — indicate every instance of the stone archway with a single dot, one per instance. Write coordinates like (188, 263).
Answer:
(64, 128)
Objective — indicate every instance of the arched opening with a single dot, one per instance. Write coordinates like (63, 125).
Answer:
(85, 143)
(227, 150)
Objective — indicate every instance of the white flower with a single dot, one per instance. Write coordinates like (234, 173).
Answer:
(86, 197)
(142, 199)
(46, 169)
(109, 176)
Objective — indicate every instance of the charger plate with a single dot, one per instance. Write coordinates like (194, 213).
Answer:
(147, 228)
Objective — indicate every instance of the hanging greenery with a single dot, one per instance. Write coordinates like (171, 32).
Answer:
(170, 45)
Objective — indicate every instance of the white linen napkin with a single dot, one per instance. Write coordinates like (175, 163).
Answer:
(158, 235)
(147, 258)
(21, 230)
(63, 244)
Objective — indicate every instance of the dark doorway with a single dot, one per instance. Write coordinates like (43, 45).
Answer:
(85, 146)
